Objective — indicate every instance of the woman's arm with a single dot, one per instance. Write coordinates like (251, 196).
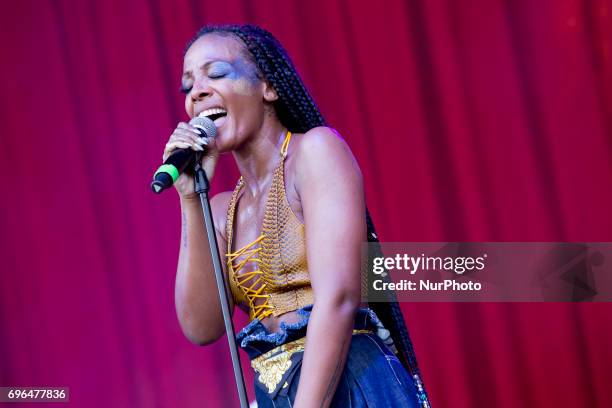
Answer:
(196, 297)
(329, 183)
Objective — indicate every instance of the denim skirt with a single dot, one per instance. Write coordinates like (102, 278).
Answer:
(373, 376)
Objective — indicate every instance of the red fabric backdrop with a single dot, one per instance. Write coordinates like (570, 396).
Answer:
(472, 121)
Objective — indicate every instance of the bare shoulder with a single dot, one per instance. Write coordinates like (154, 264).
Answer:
(321, 140)
(219, 205)
(322, 150)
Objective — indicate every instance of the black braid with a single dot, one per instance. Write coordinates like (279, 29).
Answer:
(298, 112)
(392, 318)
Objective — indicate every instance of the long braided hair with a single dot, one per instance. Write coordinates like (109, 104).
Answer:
(298, 112)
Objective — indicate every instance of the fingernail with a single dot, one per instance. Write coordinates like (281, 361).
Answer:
(198, 147)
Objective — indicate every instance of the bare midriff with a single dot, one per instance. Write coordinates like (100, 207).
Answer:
(272, 323)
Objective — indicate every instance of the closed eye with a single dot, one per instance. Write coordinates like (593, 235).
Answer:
(217, 75)
(186, 90)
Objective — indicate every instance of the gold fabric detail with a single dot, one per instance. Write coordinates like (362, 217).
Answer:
(281, 283)
(272, 365)
(362, 331)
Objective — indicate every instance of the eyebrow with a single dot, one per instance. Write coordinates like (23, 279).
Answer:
(188, 74)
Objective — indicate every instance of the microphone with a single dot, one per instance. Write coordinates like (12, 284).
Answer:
(177, 162)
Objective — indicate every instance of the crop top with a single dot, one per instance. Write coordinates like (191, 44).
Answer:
(280, 282)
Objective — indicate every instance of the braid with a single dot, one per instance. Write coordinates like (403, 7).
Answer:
(391, 316)
(298, 112)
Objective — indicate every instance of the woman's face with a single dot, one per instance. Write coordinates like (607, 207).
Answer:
(222, 83)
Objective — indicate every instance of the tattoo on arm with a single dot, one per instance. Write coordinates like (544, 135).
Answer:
(184, 229)
(329, 393)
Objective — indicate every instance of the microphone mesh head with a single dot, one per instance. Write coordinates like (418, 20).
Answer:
(205, 125)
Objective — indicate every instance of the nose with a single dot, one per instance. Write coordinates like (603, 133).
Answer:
(200, 90)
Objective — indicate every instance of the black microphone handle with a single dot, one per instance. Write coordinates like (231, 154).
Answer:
(180, 159)
(174, 165)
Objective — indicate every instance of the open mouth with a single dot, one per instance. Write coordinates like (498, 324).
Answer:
(213, 113)
(216, 116)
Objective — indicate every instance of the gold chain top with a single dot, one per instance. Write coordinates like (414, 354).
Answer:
(280, 283)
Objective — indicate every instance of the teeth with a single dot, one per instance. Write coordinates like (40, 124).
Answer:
(211, 111)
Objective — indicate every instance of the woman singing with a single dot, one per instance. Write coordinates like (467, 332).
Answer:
(290, 234)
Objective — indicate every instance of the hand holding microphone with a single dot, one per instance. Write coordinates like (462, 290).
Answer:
(179, 153)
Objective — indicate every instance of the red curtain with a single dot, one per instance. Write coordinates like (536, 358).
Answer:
(472, 121)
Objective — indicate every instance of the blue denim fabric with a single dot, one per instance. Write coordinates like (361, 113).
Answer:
(373, 377)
